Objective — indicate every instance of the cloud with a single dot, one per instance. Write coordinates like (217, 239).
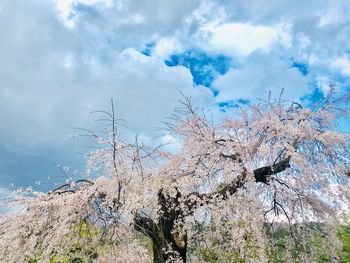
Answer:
(53, 81)
(59, 60)
(244, 38)
(52, 76)
(6, 201)
(166, 47)
(66, 10)
(336, 14)
(342, 64)
(257, 77)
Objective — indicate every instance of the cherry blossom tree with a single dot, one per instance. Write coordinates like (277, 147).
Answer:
(273, 161)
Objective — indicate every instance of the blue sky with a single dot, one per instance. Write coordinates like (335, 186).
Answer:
(61, 59)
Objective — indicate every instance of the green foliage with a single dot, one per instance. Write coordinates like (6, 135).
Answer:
(83, 248)
(280, 243)
(77, 253)
(315, 245)
(32, 260)
(219, 249)
(344, 235)
(212, 250)
(146, 243)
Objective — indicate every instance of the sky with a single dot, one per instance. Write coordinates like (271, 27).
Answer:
(62, 59)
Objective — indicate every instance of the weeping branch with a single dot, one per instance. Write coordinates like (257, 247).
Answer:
(71, 187)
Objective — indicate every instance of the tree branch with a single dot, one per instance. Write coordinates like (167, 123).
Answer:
(145, 225)
(261, 175)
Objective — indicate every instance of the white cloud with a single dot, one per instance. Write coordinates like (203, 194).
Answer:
(259, 76)
(6, 201)
(170, 144)
(244, 38)
(66, 10)
(323, 83)
(336, 14)
(167, 46)
(145, 89)
(342, 64)
(61, 59)
(52, 77)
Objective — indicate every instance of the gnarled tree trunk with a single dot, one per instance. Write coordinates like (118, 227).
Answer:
(169, 239)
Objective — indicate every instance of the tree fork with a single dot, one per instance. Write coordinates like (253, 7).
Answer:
(165, 236)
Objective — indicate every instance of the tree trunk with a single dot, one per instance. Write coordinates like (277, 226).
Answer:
(169, 237)
(169, 250)
(171, 243)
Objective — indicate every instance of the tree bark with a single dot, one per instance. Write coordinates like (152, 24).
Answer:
(169, 240)
(167, 250)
